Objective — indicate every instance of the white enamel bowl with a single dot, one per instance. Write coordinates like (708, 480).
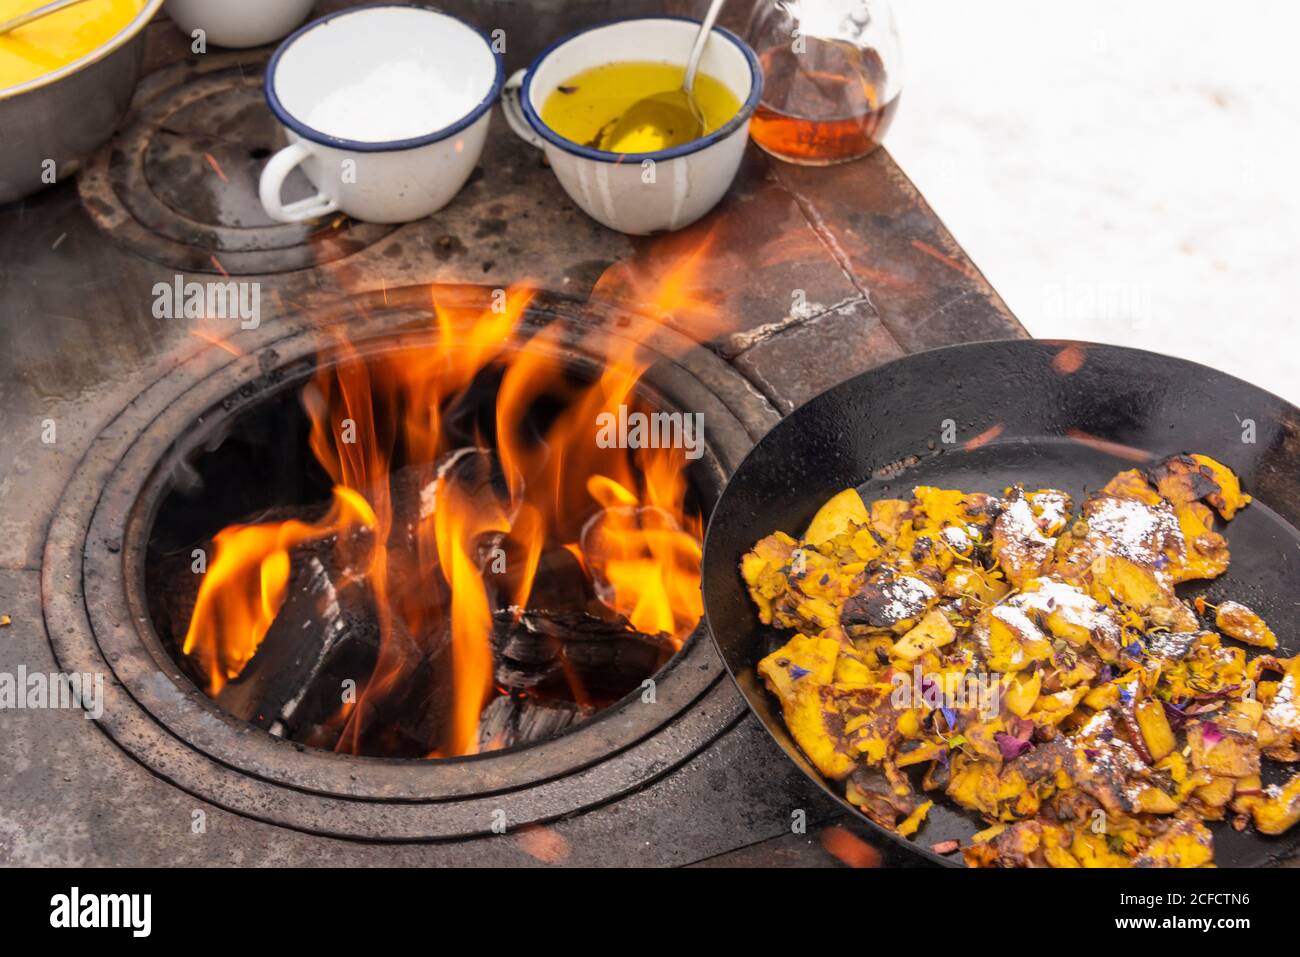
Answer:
(639, 193)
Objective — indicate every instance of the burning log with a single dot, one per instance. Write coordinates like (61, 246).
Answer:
(414, 491)
(176, 576)
(317, 619)
(511, 720)
(560, 582)
(573, 653)
(409, 717)
(558, 668)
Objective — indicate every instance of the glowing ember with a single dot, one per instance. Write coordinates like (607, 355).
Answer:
(487, 511)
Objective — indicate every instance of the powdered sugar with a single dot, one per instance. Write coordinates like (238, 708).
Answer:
(1134, 530)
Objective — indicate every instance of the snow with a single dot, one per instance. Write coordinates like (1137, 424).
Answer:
(1121, 172)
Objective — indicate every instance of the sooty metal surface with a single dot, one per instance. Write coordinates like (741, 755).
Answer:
(179, 183)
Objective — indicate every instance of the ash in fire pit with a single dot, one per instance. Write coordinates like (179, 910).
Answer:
(425, 551)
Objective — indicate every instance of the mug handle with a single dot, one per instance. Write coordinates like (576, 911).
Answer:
(272, 182)
(514, 113)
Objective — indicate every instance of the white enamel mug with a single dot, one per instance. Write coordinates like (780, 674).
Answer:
(639, 193)
(386, 109)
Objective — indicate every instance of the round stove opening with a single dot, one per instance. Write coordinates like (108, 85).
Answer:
(467, 539)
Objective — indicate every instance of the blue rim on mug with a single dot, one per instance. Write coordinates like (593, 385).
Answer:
(386, 146)
(605, 156)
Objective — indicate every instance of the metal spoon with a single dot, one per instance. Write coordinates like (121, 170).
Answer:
(673, 116)
(13, 23)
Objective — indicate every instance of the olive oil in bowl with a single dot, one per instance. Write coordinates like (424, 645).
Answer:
(585, 106)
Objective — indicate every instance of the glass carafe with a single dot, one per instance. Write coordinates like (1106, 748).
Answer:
(832, 71)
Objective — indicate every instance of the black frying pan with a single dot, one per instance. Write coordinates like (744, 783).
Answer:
(1047, 414)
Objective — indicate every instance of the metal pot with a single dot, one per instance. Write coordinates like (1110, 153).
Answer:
(50, 124)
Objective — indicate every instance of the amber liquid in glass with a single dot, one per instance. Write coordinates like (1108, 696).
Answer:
(823, 105)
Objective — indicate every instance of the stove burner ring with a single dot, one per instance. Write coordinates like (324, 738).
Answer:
(93, 598)
(178, 185)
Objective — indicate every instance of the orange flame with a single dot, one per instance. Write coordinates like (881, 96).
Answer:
(646, 565)
(459, 524)
(381, 425)
(242, 592)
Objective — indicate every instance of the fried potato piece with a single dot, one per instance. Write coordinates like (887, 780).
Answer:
(1208, 668)
(1279, 725)
(1241, 716)
(1097, 850)
(935, 509)
(1186, 843)
(840, 514)
(1017, 846)
(1118, 579)
(1237, 621)
(1157, 735)
(933, 631)
(798, 674)
(1216, 792)
(1222, 753)
(918, 752)
(762, 569)
(1176, 617)
(1230, 499)
(882, 800)
(1022, 692)
(1000, 795)
(1024, 534)
(1182, 479)
(1205, 552)
(1110, 770)
(982, 586)
(1069, 613)
(1191, 478)
(1051, 709)
(1126, 527)
(1132, 485)
(794, 586)
(913, 821)
(1279, 810)
(1053, 847)
(869, 721)
(891, 518)
(889, 600)
(1010, 640)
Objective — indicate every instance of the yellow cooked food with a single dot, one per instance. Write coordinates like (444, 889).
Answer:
(1034, 663)
(54, 41)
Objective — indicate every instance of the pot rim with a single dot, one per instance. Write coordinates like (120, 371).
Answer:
(128, 33)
